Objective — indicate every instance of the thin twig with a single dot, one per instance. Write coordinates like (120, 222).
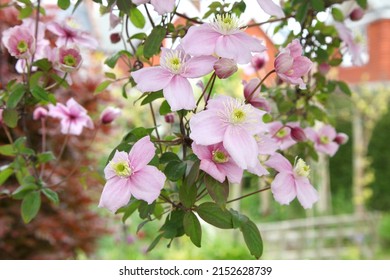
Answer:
(249, 194)
(259, 85)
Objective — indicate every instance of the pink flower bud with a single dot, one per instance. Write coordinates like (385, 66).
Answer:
(39, 113)
(324, 68)
(341, 138)
(115, 38)
(298, 134)
(1, 116)
(356, 14)
(225, 67)
(259, 60)
(109, 115)
(68, 59)
(169, 118)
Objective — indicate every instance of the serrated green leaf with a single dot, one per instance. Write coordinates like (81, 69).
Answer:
(63, 4)
(23, 190)
(219, 192)
(46, 157)
(43, 64)
(173, 226)
(137, 18)
(129, 209)
(10, 117)
(192, 228)
(213, 214)
(7, 150)
(145, 209)
(30, 206)
(40, 93)
(111, 61)
(252, 238)
(188, 191)
(153, 42)
(25, 12)
(51, 195)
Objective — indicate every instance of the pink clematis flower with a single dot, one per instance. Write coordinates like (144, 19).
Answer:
(233, 123)
(225, 67)
(67, 59)
(354, 48)
(290, 65)
(292, 182)
(19, 42)
(223, 37)
(326, 139)
(73, 117)
(172, 77)
(271, 8)
(109, 115)
(282, 134)
(68, 33)
(255, 99)
(128, 174)
(216, 161)
(161, 6)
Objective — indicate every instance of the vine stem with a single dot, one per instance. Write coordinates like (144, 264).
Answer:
(188, 18)
(268, 21)
(259, 85)
(155, 125)
(204, 91)
(43, 123)
(249, 194)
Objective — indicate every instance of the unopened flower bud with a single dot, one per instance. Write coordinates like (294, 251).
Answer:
(259, 60)
(324, 68)
(169, 118)
(39, 113)
(298, 134)
(341, 138)
(225, 67)
(109, 115)
(356, 14)
(115, 38)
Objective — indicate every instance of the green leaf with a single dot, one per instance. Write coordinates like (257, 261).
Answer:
(318, 5)
(175, 170)
(63, 4)
(111, 61)
(219, 192)
(102, 86)
(362, 3)
(7, 150)
(344, 88)
(151, 97)
(110, 75)
(213, 214)
(10, 117)
(51, 195)
(139, 36)
(192, 228)
(43, 64)
(237, 218)
(155, 242)
(168, 156)
(252, 238)
(301, 14)
(136, 134)
(165, 108)
(40, 93)
(153, 42)
(173, 226)
(130, 209)
(23, 190)
(337, 14)
(137, 18)
(46, 157)
(25, 12)
(30, 206)
(188, 191)
(5, 174)
(238, 8)
(145, 209)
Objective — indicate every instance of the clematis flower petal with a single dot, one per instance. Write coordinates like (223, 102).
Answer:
(152, 78)
(206, 129)
(307, 195)
(179, 94)
(147, 183)
(199, 66)
(141, 153)
(271, 8)
(283, 188)
(116, 193)
(279, 163)
(200, 40)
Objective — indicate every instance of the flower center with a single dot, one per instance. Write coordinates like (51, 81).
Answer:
(69, 60)
(22, 46)
(173, 61)
(122, 169)
(220, 156)
(301, 168)
(282, 133)
(238, 115)
(226, 24)
(324, 140)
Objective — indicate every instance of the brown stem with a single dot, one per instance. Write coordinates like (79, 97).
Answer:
(188, 18)
(259, 85)
(249, 194)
